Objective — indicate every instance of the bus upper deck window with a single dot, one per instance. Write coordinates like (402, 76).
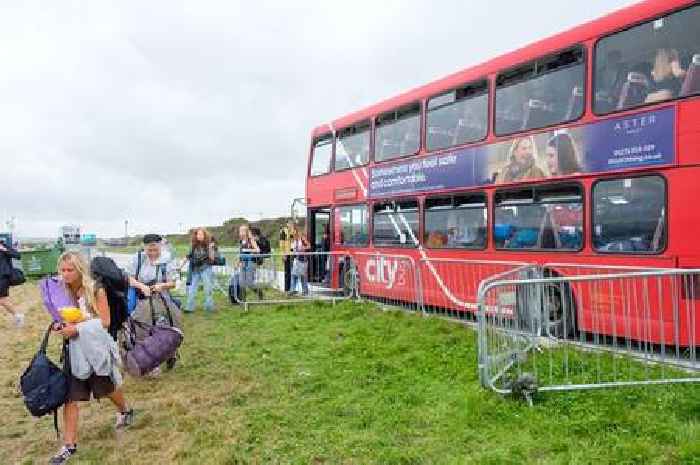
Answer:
(397, 133)
(352, 146)
(541, 93)
(652, 62)
(321, 158)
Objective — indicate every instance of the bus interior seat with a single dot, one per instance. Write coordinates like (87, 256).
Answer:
(575, 102)
(634, 91)
(691, 84)
(536, 114)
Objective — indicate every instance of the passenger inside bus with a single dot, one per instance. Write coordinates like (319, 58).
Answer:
(656, 59)
(667, 76)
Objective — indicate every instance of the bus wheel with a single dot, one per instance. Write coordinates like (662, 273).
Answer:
(558, 311)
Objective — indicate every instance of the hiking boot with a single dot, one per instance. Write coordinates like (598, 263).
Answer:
(124, 419)
(65, 453)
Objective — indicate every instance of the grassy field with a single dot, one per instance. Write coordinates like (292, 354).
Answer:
(344, 384)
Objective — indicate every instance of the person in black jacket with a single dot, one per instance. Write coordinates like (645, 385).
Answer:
(7, 253)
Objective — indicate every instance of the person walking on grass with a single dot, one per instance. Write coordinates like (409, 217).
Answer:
(7, 253)
(104, 378)
(200, 258)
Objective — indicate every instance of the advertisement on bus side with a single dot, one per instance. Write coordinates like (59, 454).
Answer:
(643, 139)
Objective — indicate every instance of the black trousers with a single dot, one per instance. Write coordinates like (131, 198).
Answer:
(287, 272)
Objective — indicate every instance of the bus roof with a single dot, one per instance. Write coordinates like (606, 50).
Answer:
(617, 20)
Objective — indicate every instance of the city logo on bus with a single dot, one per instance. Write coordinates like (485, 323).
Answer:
(382, 270)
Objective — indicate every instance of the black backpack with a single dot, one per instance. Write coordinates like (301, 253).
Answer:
(264, 246)
(44, 386)
(116, 285)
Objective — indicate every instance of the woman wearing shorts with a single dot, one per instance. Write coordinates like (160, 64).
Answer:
(92, 301)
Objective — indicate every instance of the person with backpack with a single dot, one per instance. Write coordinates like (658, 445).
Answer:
(90, 354)
(200, 269)
(154, 277)
(300, 246)
(7, 253)
(245, 277)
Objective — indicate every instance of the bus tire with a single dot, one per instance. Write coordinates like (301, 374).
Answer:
(558, 311)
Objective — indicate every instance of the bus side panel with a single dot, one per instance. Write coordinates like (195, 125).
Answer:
(689, 132)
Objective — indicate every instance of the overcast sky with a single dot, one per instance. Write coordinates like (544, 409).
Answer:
(177, 113)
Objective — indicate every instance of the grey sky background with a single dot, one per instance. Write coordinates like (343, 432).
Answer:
(170, 113)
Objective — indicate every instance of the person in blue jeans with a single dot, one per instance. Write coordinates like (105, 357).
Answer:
(245, 277)
(200, 258)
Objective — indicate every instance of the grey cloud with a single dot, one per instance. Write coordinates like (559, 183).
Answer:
(189, 112)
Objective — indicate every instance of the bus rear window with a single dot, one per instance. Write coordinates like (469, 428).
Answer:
(398, 133)
(629, 215)
(546, 217)
(541, 93)
(395, 224)
(653, 62)
(321, 158)
(352, 147)
(456, 222)
(458, 117)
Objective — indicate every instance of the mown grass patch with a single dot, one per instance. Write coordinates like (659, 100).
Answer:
(347, 384)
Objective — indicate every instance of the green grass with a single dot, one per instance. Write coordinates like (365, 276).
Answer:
(349, 384)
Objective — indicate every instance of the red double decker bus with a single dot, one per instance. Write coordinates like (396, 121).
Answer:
(581, 148)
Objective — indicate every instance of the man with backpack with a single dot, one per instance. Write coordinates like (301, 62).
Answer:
(153, 278)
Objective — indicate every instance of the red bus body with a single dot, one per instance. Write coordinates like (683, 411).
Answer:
(397, 280)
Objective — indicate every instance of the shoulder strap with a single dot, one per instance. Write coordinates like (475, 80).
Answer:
(45, 341)
(138, 265)
(163, 272)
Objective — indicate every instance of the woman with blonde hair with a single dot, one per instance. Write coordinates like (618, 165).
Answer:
(667, 76)
(522, 158)
(200, 257)
(101, 377)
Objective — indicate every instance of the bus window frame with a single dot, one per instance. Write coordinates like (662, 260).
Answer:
(645, 105)
(453, 195)
(534, 187)
(421, 130)
(419, 206)
(493, 105)
(426, 112)
(667, 222)
(337, 207)
(331, 161)
(370, 129)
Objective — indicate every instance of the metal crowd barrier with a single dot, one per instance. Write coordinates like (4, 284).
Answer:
(588, 331)
(289, 278)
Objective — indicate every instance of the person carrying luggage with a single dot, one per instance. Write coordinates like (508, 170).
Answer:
(200, 258)
(90, 354)
(153, 279)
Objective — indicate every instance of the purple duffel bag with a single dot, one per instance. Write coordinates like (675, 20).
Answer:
(159, 344)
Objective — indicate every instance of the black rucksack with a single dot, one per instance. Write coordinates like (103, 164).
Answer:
(44, 386)
(116, 285)
(264, 246)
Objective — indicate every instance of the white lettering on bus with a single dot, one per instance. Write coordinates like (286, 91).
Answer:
(382, 270)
